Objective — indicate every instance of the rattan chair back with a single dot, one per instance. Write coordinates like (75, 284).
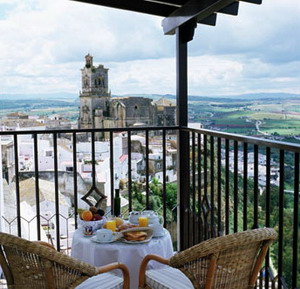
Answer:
(29, 265)
(231, 261)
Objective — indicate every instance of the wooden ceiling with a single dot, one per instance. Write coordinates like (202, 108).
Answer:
(158, 8)
(176, 12)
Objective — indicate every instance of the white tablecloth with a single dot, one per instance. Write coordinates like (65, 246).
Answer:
(130, 254)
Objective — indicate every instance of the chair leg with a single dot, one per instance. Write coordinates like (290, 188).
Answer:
(259, 261)
(211, 272)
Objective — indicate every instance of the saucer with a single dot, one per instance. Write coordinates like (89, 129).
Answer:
(115, 237)
(88, 236)
(94, 239)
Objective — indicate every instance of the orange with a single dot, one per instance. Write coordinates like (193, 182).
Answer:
(86, 215)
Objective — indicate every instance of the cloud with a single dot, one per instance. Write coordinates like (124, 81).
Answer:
(43, 44)
(269, 31)
(143, 76)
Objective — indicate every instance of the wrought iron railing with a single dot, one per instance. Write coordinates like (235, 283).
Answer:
(239, 183)
(236, 183)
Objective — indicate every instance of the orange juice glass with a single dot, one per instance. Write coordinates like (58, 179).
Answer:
(143, 221)
(111, 225)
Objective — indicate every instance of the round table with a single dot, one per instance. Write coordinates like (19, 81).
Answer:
(84, 249)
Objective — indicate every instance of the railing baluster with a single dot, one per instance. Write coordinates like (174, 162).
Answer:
(193, 190)
(256, 189)
(16, 152)
(205, 198)
(164, 187)
(245, 188)
(112, 177)
(235, 188)
(219, 156)
(75, 179)
(37, 188)
(227, 186)
(200, 231)
(296, 222)
(56, 190)
(281, 211)
(268, 199)
(129, 171)
(212, 187)
(147, 170)
(260, 280)
(93, 159)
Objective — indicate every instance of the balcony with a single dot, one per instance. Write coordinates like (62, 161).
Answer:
(226, 183)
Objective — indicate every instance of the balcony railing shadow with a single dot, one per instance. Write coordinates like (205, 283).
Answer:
(235, 183)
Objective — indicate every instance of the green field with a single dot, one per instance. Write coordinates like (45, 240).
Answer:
(275, 117)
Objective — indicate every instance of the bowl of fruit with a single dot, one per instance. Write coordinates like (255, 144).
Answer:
(91, 220)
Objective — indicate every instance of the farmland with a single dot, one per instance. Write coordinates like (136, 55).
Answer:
(250, 117)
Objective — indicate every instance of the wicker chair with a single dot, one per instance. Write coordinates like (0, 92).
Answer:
(227, 262)
(32, 265)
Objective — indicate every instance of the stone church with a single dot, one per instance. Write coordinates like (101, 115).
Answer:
(99, 110)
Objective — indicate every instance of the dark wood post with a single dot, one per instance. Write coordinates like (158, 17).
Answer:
(184, 33)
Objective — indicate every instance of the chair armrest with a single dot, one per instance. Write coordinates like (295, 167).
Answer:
(113, 266)
(45, 244)
(144, 264)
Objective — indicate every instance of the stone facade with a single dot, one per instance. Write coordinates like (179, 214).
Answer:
(99, 110)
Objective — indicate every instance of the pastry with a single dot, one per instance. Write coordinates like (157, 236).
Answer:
(135, 236)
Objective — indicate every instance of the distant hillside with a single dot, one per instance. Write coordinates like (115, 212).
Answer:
(242, 97)
(72, 97)
(251, 96)
(36, 103)
(59, 96)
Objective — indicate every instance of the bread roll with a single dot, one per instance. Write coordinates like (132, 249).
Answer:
(135, 236)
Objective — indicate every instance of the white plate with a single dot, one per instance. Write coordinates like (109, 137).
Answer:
(136, 242)
(148, 230)
(115, 238)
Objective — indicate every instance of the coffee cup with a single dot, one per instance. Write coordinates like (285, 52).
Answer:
(158, 230)
(104, 235)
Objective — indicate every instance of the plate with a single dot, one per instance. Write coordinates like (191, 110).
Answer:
(136, 242)
(115, 238)
(148, 230)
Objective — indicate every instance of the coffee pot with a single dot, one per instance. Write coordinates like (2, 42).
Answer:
(153, 217)
(134, 217)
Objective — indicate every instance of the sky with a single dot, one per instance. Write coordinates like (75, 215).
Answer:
(43, 44)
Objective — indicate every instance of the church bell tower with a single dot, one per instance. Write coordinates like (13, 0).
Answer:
(95, 94)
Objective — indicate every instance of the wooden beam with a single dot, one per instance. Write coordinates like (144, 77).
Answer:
(193, 9)
(169, 2)
(152, 8)
(231, 9)
(210, 20)
(252, 1)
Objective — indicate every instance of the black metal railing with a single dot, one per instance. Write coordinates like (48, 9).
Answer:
(239, 183)
(236, 183)
(52, 225)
